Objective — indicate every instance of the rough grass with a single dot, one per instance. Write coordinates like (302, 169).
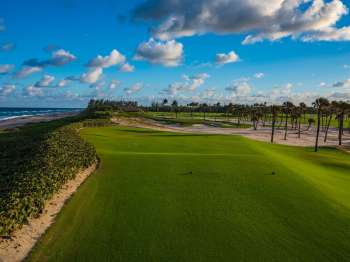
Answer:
(179, 197)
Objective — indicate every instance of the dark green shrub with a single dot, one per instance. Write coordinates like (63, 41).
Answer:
(34, 167)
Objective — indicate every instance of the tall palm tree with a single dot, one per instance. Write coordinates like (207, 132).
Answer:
(274, 112)
(330, 111)
(174, 106)
(319, 104)
(342, 108)
(287, 106)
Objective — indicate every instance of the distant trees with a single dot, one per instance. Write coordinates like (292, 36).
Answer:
(286, 117)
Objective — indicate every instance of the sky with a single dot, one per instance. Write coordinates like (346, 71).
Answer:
(62, 53)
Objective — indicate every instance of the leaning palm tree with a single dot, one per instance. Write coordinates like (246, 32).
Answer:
(330, 111)
(319, 104)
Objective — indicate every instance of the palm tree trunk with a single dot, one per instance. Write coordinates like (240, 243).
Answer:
(273, 128)
(299, 127)
(318, 129)
(286, 127)
(341, 126)
(327, 128)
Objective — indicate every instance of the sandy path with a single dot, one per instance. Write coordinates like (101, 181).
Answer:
(262, 134)
(23, 240)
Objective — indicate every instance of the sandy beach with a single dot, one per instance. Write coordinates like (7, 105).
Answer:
(20, 121)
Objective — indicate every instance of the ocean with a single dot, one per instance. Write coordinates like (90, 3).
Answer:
(12, 112)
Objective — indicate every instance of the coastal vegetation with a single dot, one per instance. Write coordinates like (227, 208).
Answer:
(36, 161)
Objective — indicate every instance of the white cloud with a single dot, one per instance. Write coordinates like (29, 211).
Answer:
(33, 91)
(61, 57)
(310, 20)
(92, 75)
(7, 89)
(134, 89)
(6, 68)
(190, 84)
(27, 70)
(113, 84)
(231, 57)
(323, 84)
(63, 83)
(342, 84)
(168, 53)
(127, 68)
(45, 81)
(114, 58)
(239, 89)
(259, 75)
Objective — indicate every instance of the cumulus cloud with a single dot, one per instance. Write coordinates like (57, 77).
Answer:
(114, 58)
(113, 84)
(134, 89)
(33, 91)
(6, 68)
(189, 84)
(239, 89)
(310, 20)
(63, 82)
(7, 47)
(92, 75)
(168, 53)
(342, 84)
(7, 89)
(45, 81)
(127, 68)
(27, 70)
(222, 58)
(259, 75)
(59, 57)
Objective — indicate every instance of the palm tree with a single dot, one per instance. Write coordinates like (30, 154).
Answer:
(330, 111)
(342, 108)
(287, 109)
(319, 104)
(274, 111)
(174, 106)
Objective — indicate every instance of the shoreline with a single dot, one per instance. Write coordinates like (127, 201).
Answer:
(23, 120)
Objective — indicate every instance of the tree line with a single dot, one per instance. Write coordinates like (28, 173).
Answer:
(286, 116)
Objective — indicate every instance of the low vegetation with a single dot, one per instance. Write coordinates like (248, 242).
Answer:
(36, 161)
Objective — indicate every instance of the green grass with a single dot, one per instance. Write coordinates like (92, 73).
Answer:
(144, 204)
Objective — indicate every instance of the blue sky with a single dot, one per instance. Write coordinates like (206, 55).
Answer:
(299, 60)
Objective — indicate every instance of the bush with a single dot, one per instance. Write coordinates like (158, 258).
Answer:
(34, 167)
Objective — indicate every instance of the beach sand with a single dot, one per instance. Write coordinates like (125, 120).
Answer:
(20, 121)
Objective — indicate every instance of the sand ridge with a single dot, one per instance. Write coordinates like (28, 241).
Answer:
(23, 240)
